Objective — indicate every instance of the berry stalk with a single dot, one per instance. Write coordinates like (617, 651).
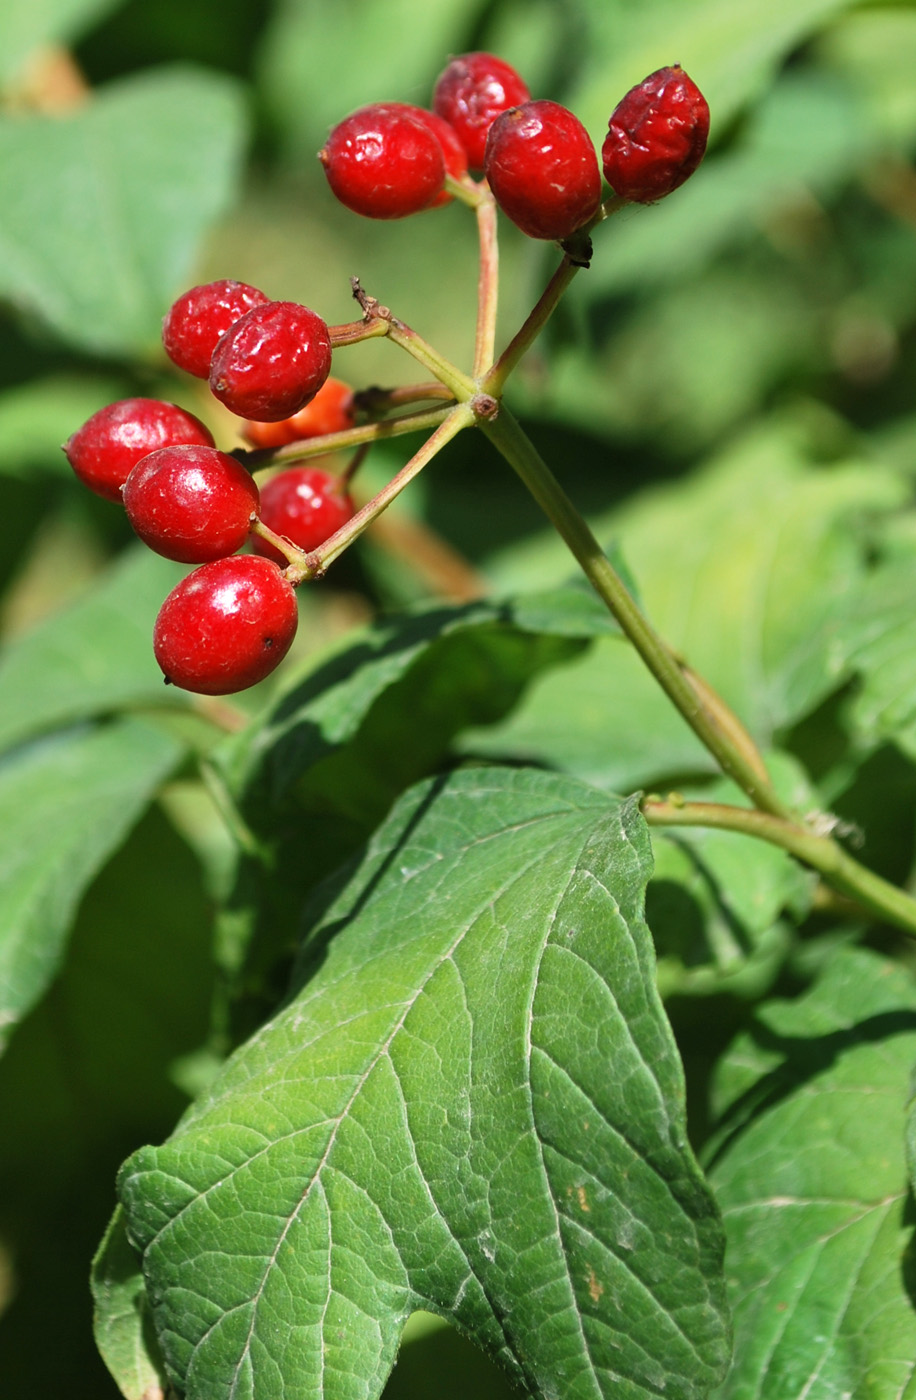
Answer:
(495, 378)
(403, 335)
(511, 441)
(339, 442)
(487, 283)
(316, 563)
(728, 742)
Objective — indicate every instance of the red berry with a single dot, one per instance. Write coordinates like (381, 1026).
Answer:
(542, 169)
(305, 505)
(191, 503)
(226, 626)
(330, 411)
(104, 451)
(471, 92)
(656, 136)
(198, 319)
(384, 162)
(456, 160)
(272, 361)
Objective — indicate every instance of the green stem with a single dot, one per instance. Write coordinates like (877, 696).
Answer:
(316, 564)
(540, 314)
(376, 401)
(296, 558)
(406, 337)
(487, 284)
(354, 332)
(339, 442)
(494, 380)
(508, 437)
(461, 386)
(821, 853)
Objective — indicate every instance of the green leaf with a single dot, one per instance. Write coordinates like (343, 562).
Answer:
(140, 174)
(813, 1188)
(92, 658)
(878, 635)
(26, 25)
(401, 690)
(65, 804)
(323, 767)
(123, 1326)
(473, 1106)
(602, 718)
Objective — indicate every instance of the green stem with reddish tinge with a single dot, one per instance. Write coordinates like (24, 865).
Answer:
(487, 283)
(353, 332)
(316, 563)
(260, 459)
(494, 380)
(460, 384)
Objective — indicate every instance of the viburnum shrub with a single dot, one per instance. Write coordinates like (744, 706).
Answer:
(441, 1075)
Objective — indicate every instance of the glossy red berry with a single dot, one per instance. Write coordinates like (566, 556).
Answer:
(330, 411)
(384, 162)
(471, 92)
(226, 626)
(272, 361)
(454, 154)
(192, 504)
(198, 319)
(104, 451)
(656, 136)
(543, 170)
(305, 505)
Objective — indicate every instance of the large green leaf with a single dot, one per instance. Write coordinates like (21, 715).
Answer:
(104, 210)
(473, 1105)
(65, 804)
(26, 25)
(813, 1187)
(92, 658)
(341, 743)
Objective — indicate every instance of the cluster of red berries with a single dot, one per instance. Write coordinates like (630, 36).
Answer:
(390, 159)
(231, 622)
